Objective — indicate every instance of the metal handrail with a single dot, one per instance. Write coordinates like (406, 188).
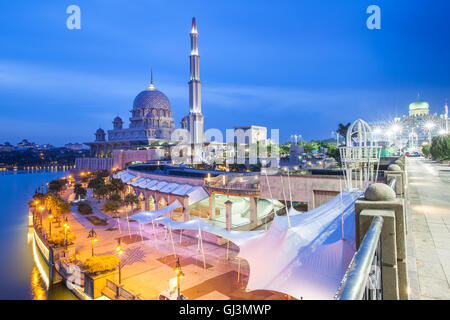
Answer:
(355, 285)
(392, 183)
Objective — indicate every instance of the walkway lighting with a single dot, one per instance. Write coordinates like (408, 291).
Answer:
(50, 218)
(180, 276)
(119, 252)
(66, 227)
(93, 236)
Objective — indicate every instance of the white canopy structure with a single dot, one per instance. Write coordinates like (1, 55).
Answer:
(309, 259)
(195, 193)
(238, 237)
(144, 217)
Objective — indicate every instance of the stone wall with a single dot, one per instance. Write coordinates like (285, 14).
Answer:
(303, 188)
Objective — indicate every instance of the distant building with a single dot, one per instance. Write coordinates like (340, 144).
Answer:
(74, 146)
(251, 134)
(7, 147)
(46, 146)
(25, 144)
(413, 130)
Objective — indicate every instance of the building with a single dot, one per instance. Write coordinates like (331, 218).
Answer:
(7, 147)
(250, 134)
(411, 131)
(149, 133)
(25, 144)
(74, 146)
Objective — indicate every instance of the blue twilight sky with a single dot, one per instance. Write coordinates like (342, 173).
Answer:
(300, 66)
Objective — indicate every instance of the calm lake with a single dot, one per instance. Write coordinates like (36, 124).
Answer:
(19, 276)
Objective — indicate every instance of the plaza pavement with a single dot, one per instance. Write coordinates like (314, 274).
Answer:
(148, 264)
(428, 229)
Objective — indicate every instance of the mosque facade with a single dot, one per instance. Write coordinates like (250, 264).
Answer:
(151, 122)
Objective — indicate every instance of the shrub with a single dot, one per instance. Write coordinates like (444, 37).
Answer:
(58, 238)
(96, 221)
(440, 147)
(84, 208)
(101, 263)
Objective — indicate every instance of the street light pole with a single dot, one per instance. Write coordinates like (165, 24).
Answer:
(66, 227)
(180, 276)
(50, 218)
(93, 236)
(119, 253)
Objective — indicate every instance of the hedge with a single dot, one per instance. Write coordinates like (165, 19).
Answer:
(97, 264)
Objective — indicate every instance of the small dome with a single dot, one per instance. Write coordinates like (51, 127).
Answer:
(151, 98)
(118, 119)
(100, 131)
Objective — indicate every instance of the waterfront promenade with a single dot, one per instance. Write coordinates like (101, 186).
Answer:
(429, 229)
(147, 263)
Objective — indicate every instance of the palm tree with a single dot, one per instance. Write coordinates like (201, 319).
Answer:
(116, 186)
(111, 207)
(342, 130)
(130, 200)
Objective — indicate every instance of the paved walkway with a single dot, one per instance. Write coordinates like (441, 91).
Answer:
(148, 262)
(429, 229)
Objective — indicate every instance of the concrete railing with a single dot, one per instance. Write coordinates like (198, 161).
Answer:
(387, 201)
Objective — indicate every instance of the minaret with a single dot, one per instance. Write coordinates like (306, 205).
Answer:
(194, 121)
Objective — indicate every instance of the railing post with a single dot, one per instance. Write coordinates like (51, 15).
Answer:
(380, 200)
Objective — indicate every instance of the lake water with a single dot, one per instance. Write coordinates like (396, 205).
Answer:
(19, 276)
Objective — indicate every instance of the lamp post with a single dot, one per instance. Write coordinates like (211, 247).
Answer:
(429, 126)
(41, 208)
(66, 228)
(50, 218)
(93, 236)
(180, 276)
(119, 252)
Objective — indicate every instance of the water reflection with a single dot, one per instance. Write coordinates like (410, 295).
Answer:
(38, 287)
(19, 277)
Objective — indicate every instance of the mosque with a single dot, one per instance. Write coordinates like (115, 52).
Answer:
(151, 121)
(412, 131)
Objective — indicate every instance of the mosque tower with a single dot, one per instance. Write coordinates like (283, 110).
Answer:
(193, 122)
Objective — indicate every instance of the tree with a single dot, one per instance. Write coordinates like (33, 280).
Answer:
(334, 153)
(111, 207)
(96, 183)
(116, 185)
(101, 192)
(56, 186)
(308, 147)
(440, 147)
(130, 200)
(57, 205)
(79, 191)
(116, 197)
(426, 151)
(342, 130)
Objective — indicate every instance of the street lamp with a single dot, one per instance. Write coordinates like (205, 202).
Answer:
(119, 252)
(50, 218)
(429, 126)
(66, 227)
(180, 276)
(41, 208)
(93, 236)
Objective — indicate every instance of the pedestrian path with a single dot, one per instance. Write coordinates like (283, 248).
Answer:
(429, 228)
